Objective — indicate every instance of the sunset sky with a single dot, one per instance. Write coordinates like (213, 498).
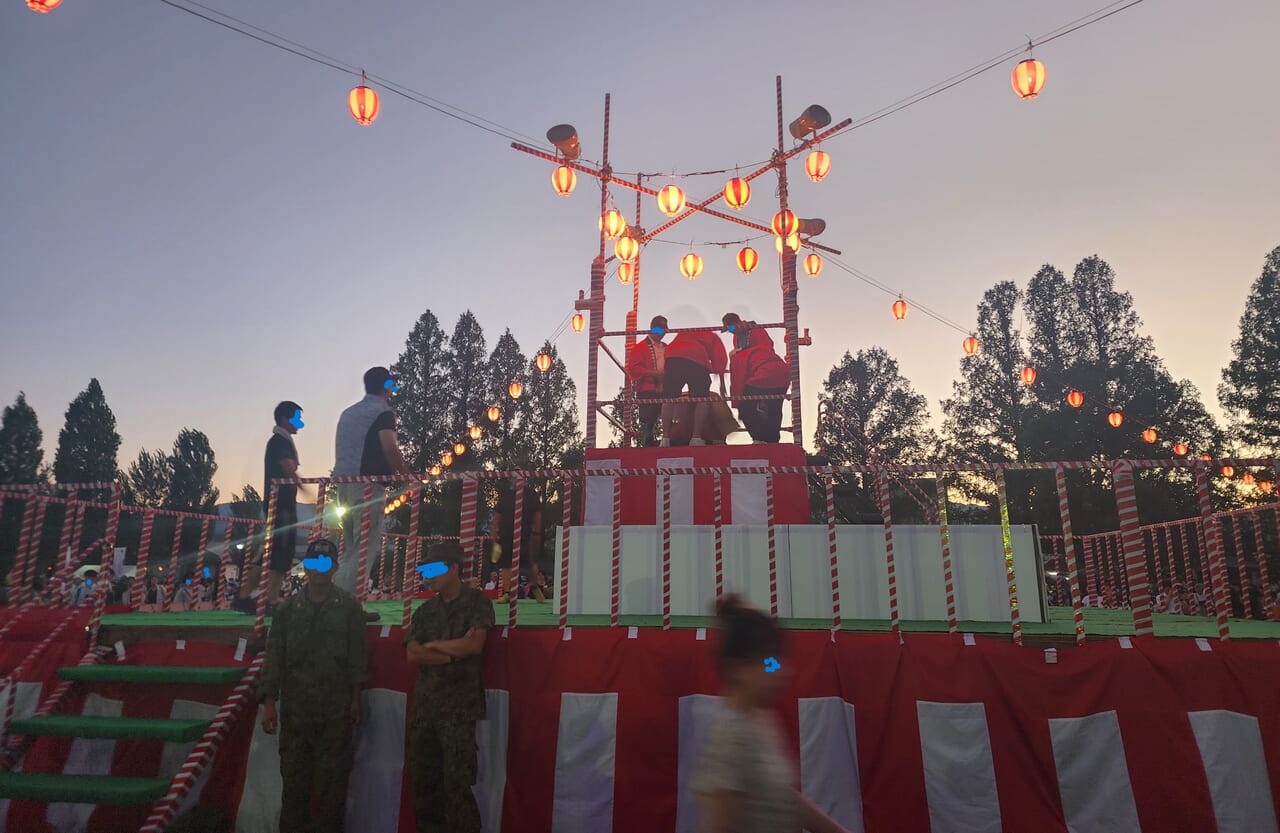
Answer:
(195, 219)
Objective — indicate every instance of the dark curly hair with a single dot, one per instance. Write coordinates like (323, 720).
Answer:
(746, 634)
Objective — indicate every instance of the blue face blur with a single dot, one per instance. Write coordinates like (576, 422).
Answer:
(434, 569)
(207, 574)
(658, 331)
(771, 665)
(320, 564)
(391, 385)
(296, 420)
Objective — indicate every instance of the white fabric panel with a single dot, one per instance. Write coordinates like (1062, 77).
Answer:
(829, 759)
(259, 810)
(491, 776)
(681, 491)
(88, 756)
(747, 493)
(598, 506)
(696, 712)
(959, 776)
(373, 792)
(586, 747)
(1231, 749)
(173, 755)
(1093, 777)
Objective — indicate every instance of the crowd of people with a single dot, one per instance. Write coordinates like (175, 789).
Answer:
(658, 370)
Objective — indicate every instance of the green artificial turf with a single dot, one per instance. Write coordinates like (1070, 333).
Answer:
(1098, 622)
(137, 728)
(82, 789)
(155, 674)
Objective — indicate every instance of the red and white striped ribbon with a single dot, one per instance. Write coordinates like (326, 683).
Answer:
(163, 811)
(412, 559)
(1069, 554)
(1259, 553)
(1006, 537)
(828, 487)
(317, 525)
(718, 535)
(21, 668)
(1216, 561)
(615, 577)
(139, 589)
(1242, 569)
(666, 553)
(366, 532)
(948, 575)
(1187, 576)
(175, 551)
(517, 545)
(15, 747)
(24, 589)
(772, 534)
(566, 523)
(260, 609)
(886, 512)
(224, 568)
(468, 521)
(28, 575)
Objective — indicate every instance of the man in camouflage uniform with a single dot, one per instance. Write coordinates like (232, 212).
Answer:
(446, 641)
(316, 663)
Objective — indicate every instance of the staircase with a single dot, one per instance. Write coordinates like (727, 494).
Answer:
(106, 789)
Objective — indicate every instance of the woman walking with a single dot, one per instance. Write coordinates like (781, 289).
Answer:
(745, 778)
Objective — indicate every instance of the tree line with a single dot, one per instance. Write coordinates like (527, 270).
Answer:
(1081, 333)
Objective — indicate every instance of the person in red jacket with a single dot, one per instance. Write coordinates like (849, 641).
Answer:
(645, 363)
(691, 358)
(756, 370)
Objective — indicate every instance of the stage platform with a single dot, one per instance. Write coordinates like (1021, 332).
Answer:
(227, 627)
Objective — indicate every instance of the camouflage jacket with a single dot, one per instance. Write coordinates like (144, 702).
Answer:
(455, 691)
(316, 653)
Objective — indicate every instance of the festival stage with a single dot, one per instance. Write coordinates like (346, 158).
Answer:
(594, 728)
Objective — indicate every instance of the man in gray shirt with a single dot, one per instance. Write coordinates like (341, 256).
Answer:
(365, 444)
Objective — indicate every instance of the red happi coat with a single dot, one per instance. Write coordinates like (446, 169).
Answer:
(757, 365)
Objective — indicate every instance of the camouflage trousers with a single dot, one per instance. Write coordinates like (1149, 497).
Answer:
(442, 760)
(315, 760)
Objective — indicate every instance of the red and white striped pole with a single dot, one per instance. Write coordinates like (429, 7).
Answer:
(113, 523)
(1215, 561)
(615, 578)
(1069, 552)
(1160, 539)
(1099, 578)
(1260, 554)
(948, 577)
(1115, 542)
(772, 532)
(163, 811)
(1242, 566)
(666, 553)
(260, 610)
(828, 487)
(139, 593)
(1006, 537)
(566, 522)
(206, 527)
(467, 522)
(412, 558)
(28, 576)
(175, 550)
(719, 534)
(886, 512)
(77, 536)
(517, 544)
(317, 524)
(1187, 575)
(224, 571)
(69, 512)
(366, 532)
(1149, 540)
(25, 591)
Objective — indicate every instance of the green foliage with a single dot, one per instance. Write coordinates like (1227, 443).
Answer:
(247, 504)
(503, 440)
(423, 401)
(146, 482)
(468, 368)
(88, 443)
(192, 468)
(1250, 386)
(552, 432)
(20, 437)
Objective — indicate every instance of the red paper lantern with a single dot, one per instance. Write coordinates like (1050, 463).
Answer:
(626, 271)
(563, 179)
(363, 103)
(1227, 471)
(813, 265)
(1206, 457)
(459, 449)
(793, 243)
(578, 322)
(691, 265)
(612, 223)
(748, 260)
(446, 459)
(544, 362)
(737, 193)
(1116, 419)
(1075, 399)
(817, 164)
(475, 432)
(671, 200)
(1266, 486)
(494, 413)
(785, 223)
(1247, 478)
(1028, 375)
(1180, 449)
(626, 248)
(1028, 78)
(515, 389)
(43, 6)
(435, 471)
(1150, 435)
(900, 309)
(970, 346)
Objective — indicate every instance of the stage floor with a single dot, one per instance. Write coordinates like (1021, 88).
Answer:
(1057, 632)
